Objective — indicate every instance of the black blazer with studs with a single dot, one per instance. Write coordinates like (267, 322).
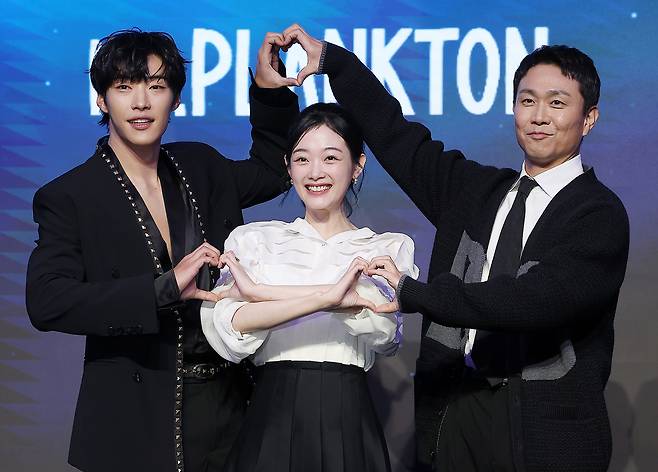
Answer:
(91, 274)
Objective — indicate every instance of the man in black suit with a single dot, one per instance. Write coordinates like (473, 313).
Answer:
(127, 246)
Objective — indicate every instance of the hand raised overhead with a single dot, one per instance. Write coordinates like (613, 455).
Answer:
(188, 268)
(313, 48)
(270, 71)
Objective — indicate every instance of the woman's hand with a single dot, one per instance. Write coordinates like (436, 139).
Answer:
(386, 268)
(343, 295)
(243, 288)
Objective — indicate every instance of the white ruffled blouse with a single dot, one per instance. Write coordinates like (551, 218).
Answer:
(279, 253)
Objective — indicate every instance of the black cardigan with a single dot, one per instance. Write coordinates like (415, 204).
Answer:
(561, 304)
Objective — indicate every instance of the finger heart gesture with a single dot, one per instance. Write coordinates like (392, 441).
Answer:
(343, 294)
(244, 288)
(295, 34)
(386, 268)
(187, 269)
(270, 71)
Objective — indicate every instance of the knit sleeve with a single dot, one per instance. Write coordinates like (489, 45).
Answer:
(573, 281)
(431, 176)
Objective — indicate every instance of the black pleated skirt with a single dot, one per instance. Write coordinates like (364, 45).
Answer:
(310, 417)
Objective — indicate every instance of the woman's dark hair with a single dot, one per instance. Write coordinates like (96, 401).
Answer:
(573, 63)
(123, 55)
(341, 122)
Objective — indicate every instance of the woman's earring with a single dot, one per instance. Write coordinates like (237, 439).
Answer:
(355, 180)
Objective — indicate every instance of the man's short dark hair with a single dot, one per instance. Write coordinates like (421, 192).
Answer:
(573, 63)
(123, 55)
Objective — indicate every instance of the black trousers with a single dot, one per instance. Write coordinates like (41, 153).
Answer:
(475, 433)
(212, 415)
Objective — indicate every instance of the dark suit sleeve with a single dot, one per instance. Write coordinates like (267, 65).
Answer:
(426, 172)
(264, 176)
(59, 298)
(575, 280)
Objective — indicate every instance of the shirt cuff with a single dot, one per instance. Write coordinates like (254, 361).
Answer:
(322, 56)
(411, 293)
(217, 326)
(334, 58)
(398, 290)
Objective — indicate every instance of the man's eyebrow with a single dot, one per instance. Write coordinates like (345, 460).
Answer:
(156, 77)
(558, 92)
(551, 92)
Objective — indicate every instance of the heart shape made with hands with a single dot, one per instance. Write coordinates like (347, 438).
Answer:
(294, 40)
(295, 54)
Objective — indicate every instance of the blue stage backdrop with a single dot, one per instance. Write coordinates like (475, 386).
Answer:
(449, 64)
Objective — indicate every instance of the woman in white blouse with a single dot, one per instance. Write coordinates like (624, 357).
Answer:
(295, 297)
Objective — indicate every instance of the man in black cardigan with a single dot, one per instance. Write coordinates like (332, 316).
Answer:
(127, 245)
(513, 364)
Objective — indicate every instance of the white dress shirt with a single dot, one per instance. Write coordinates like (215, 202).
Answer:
(279, 253)
(549, 182)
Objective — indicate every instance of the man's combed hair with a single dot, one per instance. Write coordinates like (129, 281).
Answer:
(573, 63)
(123, 55)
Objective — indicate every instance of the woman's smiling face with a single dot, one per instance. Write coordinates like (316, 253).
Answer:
(321, 169)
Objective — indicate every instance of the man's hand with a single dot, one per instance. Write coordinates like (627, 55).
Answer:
(270, 71)
(386, 268)
(188, 268)
(313, 48)
(343, 295)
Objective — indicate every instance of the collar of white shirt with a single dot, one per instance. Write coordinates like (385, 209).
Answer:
(555, 179)
(301, 226)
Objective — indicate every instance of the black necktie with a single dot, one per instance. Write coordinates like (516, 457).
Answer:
(491, 351)
(508, 251)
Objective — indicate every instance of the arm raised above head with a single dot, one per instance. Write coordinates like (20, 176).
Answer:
(273, 108)
(426, 172)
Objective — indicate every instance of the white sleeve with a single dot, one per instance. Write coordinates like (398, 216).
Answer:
(379, 332)
(404, 257)
(382, 332)
(217, 318)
